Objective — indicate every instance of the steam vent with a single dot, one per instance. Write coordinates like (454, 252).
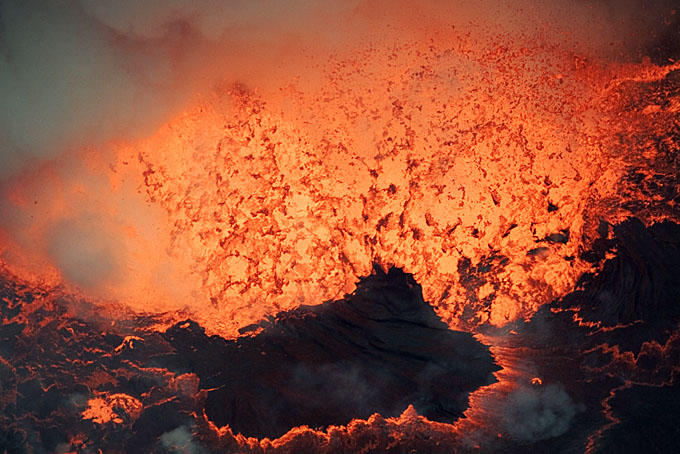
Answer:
(359, 226)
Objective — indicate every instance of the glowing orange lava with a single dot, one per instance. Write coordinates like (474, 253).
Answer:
(444, 157)
(482, 167)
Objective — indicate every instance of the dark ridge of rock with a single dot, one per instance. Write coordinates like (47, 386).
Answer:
(639, 286)
(375, 351)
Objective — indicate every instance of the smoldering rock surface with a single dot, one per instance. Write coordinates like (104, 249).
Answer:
(377, 350)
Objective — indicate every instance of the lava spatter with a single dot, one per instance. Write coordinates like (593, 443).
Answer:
(422, 154)
(530, 191)
(421, 158)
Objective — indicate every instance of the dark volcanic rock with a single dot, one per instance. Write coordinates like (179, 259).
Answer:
(638, 287)
(378, 350)
(648, 421)
(625, 333)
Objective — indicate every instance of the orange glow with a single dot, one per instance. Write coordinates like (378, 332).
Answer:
(442, 157)
(484, 164)
(114, 408)
(388, 431)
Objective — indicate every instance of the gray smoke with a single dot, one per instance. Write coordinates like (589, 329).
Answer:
(537, 413)
(80, 72)
(180, 441)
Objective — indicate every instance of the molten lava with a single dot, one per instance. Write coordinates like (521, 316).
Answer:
(501, 174)
(446, 158)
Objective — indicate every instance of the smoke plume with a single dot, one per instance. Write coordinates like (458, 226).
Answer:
(180, 441)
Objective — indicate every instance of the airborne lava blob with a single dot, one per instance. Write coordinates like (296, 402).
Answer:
(498, 164)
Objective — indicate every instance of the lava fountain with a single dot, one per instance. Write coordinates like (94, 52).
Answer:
(409, 238)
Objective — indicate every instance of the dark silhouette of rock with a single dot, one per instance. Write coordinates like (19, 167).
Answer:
(638, 287)
(375, 351)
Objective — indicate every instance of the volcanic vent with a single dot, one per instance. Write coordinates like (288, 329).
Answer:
(378, 350)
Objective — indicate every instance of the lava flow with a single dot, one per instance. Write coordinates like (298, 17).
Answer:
(435, 238)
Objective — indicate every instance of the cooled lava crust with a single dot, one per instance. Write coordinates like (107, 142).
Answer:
(379, 350)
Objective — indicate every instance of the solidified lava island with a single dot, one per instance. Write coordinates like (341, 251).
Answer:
(378, 350)
(358, 226)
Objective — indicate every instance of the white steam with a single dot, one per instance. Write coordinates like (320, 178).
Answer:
(180, 441)
(537, 413)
